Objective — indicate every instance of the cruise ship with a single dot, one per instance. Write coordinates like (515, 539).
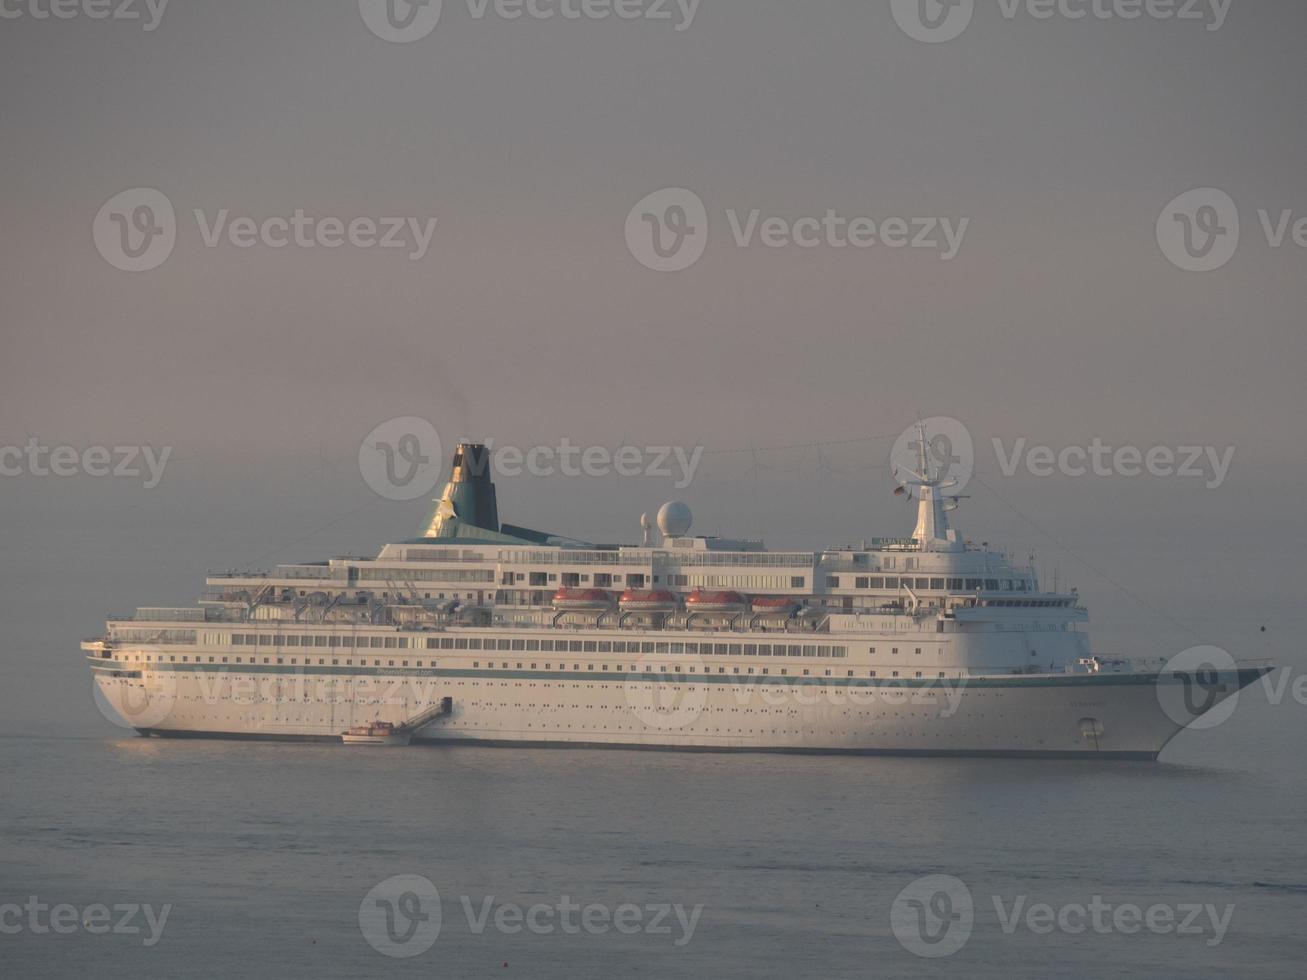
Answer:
(489, 633)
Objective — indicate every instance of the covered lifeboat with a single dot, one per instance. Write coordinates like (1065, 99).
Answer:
(714, 602)
(774, 605)
(649, 600)
(568, 599)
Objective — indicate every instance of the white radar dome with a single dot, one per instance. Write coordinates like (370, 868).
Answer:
(674, 519)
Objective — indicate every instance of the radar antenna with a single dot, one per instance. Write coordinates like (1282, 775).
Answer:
(932, 532)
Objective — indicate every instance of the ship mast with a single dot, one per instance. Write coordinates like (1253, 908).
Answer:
(932, 532)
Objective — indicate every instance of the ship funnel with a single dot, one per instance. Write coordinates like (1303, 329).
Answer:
(469, 496)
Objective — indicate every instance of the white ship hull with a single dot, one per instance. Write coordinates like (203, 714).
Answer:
(490, 633)
(1100, 715)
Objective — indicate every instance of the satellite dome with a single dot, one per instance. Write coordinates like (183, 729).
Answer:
(674, 519)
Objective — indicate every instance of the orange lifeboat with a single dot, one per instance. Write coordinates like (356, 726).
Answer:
(567, 599)
(774, 604)
(646, 600)
(714, 602)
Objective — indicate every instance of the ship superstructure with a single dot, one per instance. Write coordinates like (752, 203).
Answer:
(486, 632)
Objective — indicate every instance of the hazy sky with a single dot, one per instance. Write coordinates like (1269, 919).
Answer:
(530, 140)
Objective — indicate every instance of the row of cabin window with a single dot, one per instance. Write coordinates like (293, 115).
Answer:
(645, 669)
(622, 646)
(128, 635)
(638, 580)
(394, 642)
(293, 661)
(546, 646)
(334, 640)
(1028, 603)
(916, 582)
(308, 661)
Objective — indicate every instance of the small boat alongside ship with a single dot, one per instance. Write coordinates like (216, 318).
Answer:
(377, 733)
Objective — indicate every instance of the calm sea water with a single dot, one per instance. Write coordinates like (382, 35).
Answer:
(264, 853)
